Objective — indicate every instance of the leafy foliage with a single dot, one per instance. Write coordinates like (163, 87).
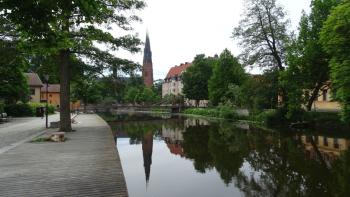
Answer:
(195, 79)
(260, 92)
(141, 95)
(221, 111)
(263, 34)
(26, 109)
(70, 29)
(227, 71)
(308, 69)
(335, 39)
(86, 89)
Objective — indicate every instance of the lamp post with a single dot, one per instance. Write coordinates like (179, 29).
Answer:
(47, 100)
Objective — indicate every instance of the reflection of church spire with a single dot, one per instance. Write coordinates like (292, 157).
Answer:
(147, 148)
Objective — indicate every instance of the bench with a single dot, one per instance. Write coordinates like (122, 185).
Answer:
(4, 117)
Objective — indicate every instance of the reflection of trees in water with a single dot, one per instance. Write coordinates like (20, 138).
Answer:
(275, 164)
(195, 146)
(228, 147)
(278, 163)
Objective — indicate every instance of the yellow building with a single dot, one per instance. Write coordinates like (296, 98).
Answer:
(329, 148)
(35, 85)
(324, 101)
(54, 96)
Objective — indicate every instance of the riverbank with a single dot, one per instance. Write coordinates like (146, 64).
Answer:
(87, 164)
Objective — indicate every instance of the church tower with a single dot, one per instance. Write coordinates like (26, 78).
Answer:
(147, 69)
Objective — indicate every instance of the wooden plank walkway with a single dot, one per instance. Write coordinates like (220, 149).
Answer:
(87, 164)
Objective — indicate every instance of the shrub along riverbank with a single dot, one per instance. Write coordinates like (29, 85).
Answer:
(278, 118)
(273, 117)
(222, 111)
(26, 109)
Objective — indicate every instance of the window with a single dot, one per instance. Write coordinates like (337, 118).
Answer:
(316, 139)
(336, 143)
(325, 141)
(324, 95)
(32, 91)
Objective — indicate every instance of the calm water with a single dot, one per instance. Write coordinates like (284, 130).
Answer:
(164, 156)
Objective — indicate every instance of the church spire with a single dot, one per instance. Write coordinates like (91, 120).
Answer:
(147, 70)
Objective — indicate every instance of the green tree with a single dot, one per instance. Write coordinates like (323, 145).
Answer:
(86, 89)
(260, 92)
(263, 34)
(227, 71)
(335, 39)
(195, 79)
(13, 84)
(157, 87)
(68, 29)
(141, 95)
(308, 69)
(264, 37)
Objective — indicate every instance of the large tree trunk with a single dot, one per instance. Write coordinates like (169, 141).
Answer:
(65, 119)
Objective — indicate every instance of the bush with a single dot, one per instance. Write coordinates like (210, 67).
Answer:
(26, 109)
(324, 118)
(19, 110)
(222, 111)
(272, 117)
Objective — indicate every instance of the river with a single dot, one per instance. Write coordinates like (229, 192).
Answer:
(170, 156)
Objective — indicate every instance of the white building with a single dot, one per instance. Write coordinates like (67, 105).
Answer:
(173, 84)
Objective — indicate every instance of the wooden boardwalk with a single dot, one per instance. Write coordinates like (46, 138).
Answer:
(87, 164)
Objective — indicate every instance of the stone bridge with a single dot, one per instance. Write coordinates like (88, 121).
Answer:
(126, 107)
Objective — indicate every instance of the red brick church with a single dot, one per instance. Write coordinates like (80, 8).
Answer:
(147, 70)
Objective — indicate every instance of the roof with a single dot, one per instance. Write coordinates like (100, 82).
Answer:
(33, 79)
(52, 88)
(177, 70)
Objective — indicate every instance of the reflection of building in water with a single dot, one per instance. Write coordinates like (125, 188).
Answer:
(173, 138)
(328, 148)
(195, 122)
(147, 149)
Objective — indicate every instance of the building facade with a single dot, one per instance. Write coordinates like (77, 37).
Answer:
(324, 101)
(35, 84)
(173, 84)
(147, 69)
(53, 94)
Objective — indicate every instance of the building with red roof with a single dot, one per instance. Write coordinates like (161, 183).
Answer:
(35, 84)
(173, 84)
(173, 81)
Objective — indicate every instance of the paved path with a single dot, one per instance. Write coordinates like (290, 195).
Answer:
(21, 128)
(87, 164)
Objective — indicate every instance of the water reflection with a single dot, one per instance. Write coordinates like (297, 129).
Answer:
(251, 161)
(147, 149)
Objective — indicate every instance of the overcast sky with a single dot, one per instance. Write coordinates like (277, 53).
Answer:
(180, 29)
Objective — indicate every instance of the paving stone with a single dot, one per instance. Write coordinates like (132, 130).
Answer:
(87, 164)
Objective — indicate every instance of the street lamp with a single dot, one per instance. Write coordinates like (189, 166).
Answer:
(47, 100)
